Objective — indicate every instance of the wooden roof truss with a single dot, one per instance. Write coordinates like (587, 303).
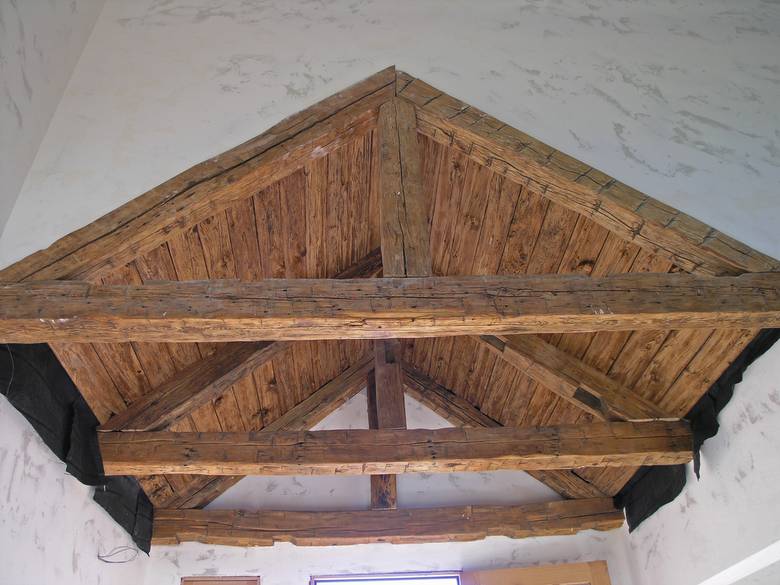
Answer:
(210, 363)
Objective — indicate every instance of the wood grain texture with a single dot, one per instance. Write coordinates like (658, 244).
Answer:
(193, 387)
(404, 203)
(305, 415)
(367, 452)
(593, 573)
(572, 379)
(460, 412)
(382, 308)
(635, 217)
(461, 523)
(386, 410)
(178, 203)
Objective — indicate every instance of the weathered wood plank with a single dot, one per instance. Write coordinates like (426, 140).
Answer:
(461, 523)
(200, 192)
(193, 387)
(572, 379)
(386, 410)
(634, 216)
(301, 417)
(382, 308)
(404, 204)
(368, 452)
(460, 412)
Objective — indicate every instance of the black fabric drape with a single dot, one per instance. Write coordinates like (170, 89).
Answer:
(36, 384)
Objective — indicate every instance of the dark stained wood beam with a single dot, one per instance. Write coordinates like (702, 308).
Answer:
(386, 410)
(301, 417)
(690, 244)
(461, 412)
(369, 452)
(209, 187)
(571, 378)
(280, 309)
(462, 523)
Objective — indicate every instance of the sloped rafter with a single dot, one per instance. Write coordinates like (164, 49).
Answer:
(380, 308)
(571, 379)
(687, 242)
(461, 412)
(209, 378)
(301, 417)
(199, 192)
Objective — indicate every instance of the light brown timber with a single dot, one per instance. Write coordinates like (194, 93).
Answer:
(461, 523)
(193, 387)
(368, 452)
(634, 216)
(301, 309)
(572, 379)
(198, 193)
(404, 204)
(302, 416)
(460, 412)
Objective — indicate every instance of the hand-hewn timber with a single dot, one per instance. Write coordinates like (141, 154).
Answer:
(203, 190)
(386, 410)
(572, 379)
(370, 452)
(460, 523)
(404, 204)
(193, 387)
(209, 378)
(632, 215)
(461, 412)
(382, 308)
(301, 417)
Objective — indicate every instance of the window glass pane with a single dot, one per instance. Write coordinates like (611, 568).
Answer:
(397, 580)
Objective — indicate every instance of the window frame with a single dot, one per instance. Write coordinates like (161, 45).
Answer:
(363, 577)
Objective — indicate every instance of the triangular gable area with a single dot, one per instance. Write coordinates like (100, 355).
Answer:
(563, 321)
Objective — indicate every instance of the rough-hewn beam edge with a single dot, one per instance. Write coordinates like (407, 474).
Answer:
(288, 310)
(571, 378)
(198, 192)
(461, 523)
(632, 215)
(373, 452)
(461, 412)
(302, 416)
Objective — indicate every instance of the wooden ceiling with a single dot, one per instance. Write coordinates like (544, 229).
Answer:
(304, 200)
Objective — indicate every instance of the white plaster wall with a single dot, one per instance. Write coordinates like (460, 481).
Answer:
(677, 98)
(732, 513)
(50, 529)
(40, 43)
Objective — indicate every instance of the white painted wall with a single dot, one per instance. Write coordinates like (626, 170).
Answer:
(40, 43)
(50, 529)
(733, 512)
